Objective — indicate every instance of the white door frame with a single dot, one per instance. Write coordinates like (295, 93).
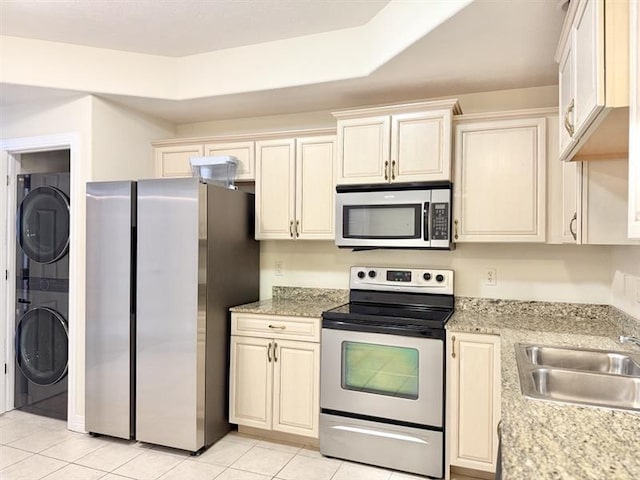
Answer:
(10, 150)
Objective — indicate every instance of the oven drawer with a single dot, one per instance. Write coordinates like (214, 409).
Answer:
(402, 448)
(275, 326)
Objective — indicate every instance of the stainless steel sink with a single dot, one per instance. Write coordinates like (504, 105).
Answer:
(617, 363)
(588, 377)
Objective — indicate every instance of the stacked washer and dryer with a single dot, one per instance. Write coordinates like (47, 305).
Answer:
(42, 293)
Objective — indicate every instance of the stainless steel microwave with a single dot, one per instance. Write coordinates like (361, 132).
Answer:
(411, 215)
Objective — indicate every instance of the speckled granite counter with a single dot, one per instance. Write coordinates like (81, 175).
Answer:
(297, 302)
(545, 440)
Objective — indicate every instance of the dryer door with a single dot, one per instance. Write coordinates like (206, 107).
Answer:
(43, 224)
(42, 346)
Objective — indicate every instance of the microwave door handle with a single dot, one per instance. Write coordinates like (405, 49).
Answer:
(425, 221)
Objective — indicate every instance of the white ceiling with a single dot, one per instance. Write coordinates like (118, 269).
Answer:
(489, 45)
(177, 28)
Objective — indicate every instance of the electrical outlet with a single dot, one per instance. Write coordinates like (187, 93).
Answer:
(279, 268)
(490, 277)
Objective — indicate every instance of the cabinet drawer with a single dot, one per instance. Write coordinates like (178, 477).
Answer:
(274, 326)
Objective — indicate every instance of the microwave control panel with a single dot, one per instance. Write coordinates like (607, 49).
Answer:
(440, 221)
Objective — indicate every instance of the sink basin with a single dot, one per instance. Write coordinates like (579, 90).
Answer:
(617, 363)
(587, 377)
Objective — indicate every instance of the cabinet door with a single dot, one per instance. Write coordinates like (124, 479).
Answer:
(567, 102)
(275, 189)
(588, 41)
(499, 188)
(474, 402)
(604, 203)
(315, 188)
(363, 150)
(421, 146)
(296, 389)
(174, 161)
(571, 202)
(243, 151)
(250, 382)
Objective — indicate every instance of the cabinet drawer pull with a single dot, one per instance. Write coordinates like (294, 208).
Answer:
(455, 229)
(453, 346)
(275, 352)
(269, 352)
(393, 170)
(291, 228)
(279, 327)
(499, 429)
(567, 123)
(297, 228)
(386, 170)
(571, 223)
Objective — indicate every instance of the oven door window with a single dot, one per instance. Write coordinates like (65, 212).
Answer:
(380, 369)
(382, 221)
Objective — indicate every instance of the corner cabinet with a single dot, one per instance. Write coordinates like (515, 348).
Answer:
(172, 157)
(295, 188)
(473, 379)
(593, 80)
(634, 123)
(275, 373)
(500, 179)
(393, 144)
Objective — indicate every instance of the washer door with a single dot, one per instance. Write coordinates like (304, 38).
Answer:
(42, 346)
(43, 224)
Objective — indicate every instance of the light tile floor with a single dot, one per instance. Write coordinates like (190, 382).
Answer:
(33, 447)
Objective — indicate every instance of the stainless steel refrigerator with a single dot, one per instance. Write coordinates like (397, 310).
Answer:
(195, 256)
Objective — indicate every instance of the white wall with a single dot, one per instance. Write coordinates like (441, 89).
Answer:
(122, 142)
(560, 273)
(625, 279)
(470, 103)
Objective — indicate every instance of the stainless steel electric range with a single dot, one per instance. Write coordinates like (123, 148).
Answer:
(382, 370)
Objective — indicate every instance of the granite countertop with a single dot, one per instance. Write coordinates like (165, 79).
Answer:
(549, 440)
(296, 302)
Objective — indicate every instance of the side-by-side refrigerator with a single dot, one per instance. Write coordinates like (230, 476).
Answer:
(194, 257)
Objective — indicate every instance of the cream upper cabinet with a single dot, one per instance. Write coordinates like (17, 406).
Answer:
(295, 183)
(398, 143)
(274, 373)
(634, 124)
(604, 203)
(499, 187)
(243, 151)
(473, 370)
(173, 161)
(571, 202)
(593, 77)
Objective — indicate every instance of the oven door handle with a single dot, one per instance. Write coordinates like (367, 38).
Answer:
(425, 220)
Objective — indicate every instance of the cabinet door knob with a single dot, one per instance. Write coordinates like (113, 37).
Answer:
(386, 170)
(291, 228)
(453, 346)
(297, 228)
(269, 352)
(275, 352)
(571, 223)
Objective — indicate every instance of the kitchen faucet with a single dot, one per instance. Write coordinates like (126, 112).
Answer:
(625, 339)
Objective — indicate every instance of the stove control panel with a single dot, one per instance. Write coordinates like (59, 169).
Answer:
(425, 280)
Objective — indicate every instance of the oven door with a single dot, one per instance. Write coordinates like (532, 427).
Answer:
(385, 376)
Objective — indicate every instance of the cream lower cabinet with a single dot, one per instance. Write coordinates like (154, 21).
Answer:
(473, 400)
(500, 182)
(275, 382)
(295, 182)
